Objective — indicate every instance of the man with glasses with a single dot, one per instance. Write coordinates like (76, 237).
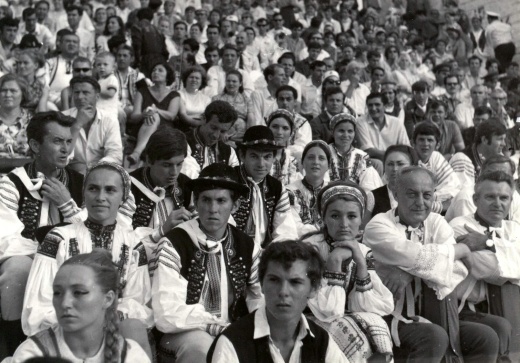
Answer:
(452, 97)
(278, 23)
(265, 43)
(497, 102)
(464, 112)
(81, 66)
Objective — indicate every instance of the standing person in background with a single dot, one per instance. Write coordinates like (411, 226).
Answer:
(87, 45)
(499, 40)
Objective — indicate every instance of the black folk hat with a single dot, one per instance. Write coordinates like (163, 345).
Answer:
(218, 176)
(259, 138)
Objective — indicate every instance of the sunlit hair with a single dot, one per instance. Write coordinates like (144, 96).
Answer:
(497, 177)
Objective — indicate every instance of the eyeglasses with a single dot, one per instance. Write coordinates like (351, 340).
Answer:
(499, 98)
(262, 24)
(81, 70)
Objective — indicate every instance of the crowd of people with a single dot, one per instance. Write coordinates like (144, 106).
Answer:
(272, 181)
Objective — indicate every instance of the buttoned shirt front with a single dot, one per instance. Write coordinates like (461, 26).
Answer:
(370, 136)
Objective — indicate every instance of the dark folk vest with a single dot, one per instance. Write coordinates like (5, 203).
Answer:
(145, 207)
(29, 208)
(197, 149)
(238, 255)
(250, 350)
(272, 192)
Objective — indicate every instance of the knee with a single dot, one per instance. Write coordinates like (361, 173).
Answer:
(15, 271)
(436, 338)
(503, 328)
(192, 346)
(133, 329)
(486, 342)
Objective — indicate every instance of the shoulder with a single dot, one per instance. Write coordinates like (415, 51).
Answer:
(134, 352)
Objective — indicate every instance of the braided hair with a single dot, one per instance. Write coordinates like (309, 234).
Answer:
(100, 261)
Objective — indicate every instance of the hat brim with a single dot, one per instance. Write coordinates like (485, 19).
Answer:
(241, 189)
(268, 147)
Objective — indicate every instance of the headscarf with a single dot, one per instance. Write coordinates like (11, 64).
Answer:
(343, 188)
(340, 118)
(112, 166)
(317, 143)
(283, 114)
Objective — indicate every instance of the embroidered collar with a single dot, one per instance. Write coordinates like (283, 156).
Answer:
(314, 190)
(148, 182)
(483, 223)
(96, 228)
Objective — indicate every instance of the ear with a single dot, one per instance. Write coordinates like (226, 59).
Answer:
(314, 291)
(236, 205)
(108, 301)
(475, 198)
(34, 146)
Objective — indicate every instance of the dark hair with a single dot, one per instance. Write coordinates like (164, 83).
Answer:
(482, 110)
(317, 63)
(404, 149)
(223, 110)
(237, 73)
(387, 50)
(170, 74)
(72, 8)
(120, 22)
(85, 79)
(474, 57)
(106, 275)
(270, 70)
(314, 45)
(192, 43)
(426, 128)
(211, 49)
(286, 87)
(181, 23)
(165, 143)
(288, 252)
(377, 68)
(28, 12)
(373, 53)
(42, 2)
(420, 86)
(436, 104)
(194, 69)
(321, 145)
(498, 159)
(200, 188)
(333, 90)
(210, 26)
(7, 21)
(373, 95)
(145, 13)
(287, 55)
(491, 61)
(488, 129)
(36, 129)
(451, 75)
(22, 83)
(497, 176)
(128, 48)
(198, 26)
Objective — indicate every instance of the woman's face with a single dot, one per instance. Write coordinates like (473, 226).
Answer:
(103, 195)
(250, 35)
(194, 81)
(281, 130)
(159, 74)
(113, 26)
(342, 219)
(232, 83)
(393, 164)
(195, 32)
(10, 95)
(78, 300)
(344, 134)
(26, 65)
(101, 16)
(440, 47)
(392, 54)
(315, 163)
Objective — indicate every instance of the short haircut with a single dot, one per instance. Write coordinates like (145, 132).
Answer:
(8, 22)
(426, 128)
(438, 104)
(287, 55)
(403, 149)
(333, 90)
(212, 26)
(223, 110)
(488, 129)
(377, 68)
(404, 172)
(270, 70)
(451, 75)
(72, 8)
(288, 252)
(498, 159)
(36, 56)
(192, 43)
(211, 49)
(42, 2)
(286, 87)
(373, 95)
(180, 22)
(373, 53)
(28, 12)
(317, 63)
(165, 143)
(85, 79)
(200, 188)
(473, 57)
(191, 70)
(483, 110)
(420, 86)
(36, 129)
(496, 176)
(128, 48)
(145, 13)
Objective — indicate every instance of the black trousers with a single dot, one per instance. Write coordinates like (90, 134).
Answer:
(504, 53)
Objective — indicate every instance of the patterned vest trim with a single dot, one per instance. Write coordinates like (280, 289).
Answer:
(146, 207)
(197, 149)
(238, 256)
(241, 335)
(29, 208)
(272, 189)
(472, 153)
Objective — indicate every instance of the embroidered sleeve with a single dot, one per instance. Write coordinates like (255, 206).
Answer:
(51, 244)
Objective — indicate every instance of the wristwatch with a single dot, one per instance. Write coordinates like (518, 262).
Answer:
(490, 243)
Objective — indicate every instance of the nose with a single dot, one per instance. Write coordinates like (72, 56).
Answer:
(101, 196)
(284, 289)
(66, 300)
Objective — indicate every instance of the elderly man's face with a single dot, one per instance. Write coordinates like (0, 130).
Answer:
(498, 100)
(415, 195)
(493, 201)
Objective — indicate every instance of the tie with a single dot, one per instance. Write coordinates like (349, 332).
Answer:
(259, 219)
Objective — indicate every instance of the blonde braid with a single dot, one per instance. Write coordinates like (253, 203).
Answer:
(112, 335)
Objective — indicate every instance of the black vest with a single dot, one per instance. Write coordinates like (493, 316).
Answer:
(238, 255)
(272, 191)
(29, 208)
(197, 149)
(381, 200)
(145, 207)
(250, 350)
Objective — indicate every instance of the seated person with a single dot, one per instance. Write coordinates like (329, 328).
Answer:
(320, 125)
(106, 188)
(481, 114)
(192, 303)
(463, 205)
(411, 243)
(451, 138)
(45, 188)
(489, 140)
(493, 242)
(205, 142)
(278, 331)
(425, 140)
(81, 66)
(342, 305)
(264, 212)
(87, 328)
(162, 199)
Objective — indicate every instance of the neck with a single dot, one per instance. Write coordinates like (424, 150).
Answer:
(343, 148)
(47, 170)
(378, 120)
(74, 28)
(282, 331)
(123, 71)
(315, 181)
(11, 112)
(316, 82)
(272, 89)
(405, 221)
(30, 78)
(69, 56)
(106, 222)
(481, 149)
(84, 344)
(491, 223)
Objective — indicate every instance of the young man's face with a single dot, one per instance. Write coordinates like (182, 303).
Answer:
(493, 145)
(9, 33)
(179, 31)
(30, 22)
(425, 146)
(212, 57)
(214, 207)
(286, 291)
(73, 18)
(421, 96)
(375, 108)
(258, 163)
(41, 11)
(437, 115)
(334, 103)
(213, 130)
(165, 172)
(286, 100)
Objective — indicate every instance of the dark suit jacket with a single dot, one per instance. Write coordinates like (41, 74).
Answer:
(320, 128)
(381, 200)
(413, 115)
